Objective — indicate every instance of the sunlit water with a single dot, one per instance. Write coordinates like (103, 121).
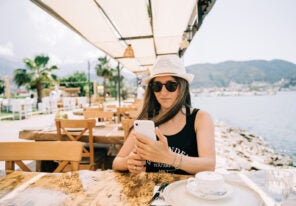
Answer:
(272, 117)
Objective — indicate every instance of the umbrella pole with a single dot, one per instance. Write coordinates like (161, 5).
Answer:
(118, 72)
(89, 95)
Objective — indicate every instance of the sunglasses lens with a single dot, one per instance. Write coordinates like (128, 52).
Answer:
(156, 86)
(171, 86)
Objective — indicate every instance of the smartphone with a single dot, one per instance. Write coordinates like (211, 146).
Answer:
(145, 128)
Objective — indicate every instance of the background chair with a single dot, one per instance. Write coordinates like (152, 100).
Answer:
(127, 124)
(106, 116)
(81, 102)
(111, 107)
(91, 112)
(98, 101)
(123, 112)
(64, 152)
(102, 116)
(18, 106)
(91, 159)
(98, 113)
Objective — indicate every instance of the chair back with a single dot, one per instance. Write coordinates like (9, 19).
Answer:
(106, 116)
(74, 130)
(98, 101)
(111, 107)
(91, 112)
(127, 124)
(123, 112)
(64, 152)
(95, 113)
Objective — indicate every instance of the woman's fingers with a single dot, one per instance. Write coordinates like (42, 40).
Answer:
(160, 136)
(135, 164)
(137, 167)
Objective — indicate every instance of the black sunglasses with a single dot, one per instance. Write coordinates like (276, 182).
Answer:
(169, 85)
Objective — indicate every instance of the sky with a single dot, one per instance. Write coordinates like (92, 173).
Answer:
(244, 30)
(234, 30)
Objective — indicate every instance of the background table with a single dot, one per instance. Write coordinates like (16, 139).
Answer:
(109, 134)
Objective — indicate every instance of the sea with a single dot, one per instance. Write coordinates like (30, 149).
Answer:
(273, 117)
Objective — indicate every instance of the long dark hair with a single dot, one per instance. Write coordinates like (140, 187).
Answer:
(151, 106)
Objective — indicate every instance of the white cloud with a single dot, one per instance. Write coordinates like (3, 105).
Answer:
(7, 50)
(54, 60)
(92, 54)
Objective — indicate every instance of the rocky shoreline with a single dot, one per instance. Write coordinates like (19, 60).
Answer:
(239, 150)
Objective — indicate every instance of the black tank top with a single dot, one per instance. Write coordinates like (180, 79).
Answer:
(184, 142)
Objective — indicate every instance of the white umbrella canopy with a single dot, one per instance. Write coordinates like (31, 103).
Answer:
(152, 27)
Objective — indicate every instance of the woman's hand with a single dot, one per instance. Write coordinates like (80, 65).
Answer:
(135, 163)
(156, 151)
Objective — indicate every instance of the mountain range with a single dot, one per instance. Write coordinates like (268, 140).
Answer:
(206, 75)
(241, 72)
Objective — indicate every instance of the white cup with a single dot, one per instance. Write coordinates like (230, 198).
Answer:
(209, 183)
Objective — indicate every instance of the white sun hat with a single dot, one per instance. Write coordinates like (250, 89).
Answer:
(169, 65)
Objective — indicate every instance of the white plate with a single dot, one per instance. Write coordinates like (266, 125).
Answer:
(177, 194)
(33, 128)
(101, 124)
(191, 188)
(75, 130)
(120, 126)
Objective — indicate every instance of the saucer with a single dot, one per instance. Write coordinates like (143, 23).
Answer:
(101, 124)
(191, 188)
(177, 194)
(75, 129)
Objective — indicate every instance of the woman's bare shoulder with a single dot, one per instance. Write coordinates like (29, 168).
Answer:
(203, 117)
(201, 113)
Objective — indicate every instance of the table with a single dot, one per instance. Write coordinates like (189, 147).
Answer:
(109, 134)
(106, 187)
(80, 188)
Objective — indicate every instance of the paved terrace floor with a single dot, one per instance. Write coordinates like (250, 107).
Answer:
(9, 129)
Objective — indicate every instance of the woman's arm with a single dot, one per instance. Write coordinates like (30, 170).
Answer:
(205, 136)
(127, 158)
(160, 152)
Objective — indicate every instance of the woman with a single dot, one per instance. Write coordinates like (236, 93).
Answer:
(185, 135)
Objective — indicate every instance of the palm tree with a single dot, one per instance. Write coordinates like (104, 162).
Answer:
(104, 70)
(35, 74)
(115, 78)
(2, 86)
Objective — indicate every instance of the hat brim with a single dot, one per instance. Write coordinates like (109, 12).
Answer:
(187, 77)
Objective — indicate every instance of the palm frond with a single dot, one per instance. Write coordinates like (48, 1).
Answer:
(29, 63)
(41, 61)
(21, 77)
